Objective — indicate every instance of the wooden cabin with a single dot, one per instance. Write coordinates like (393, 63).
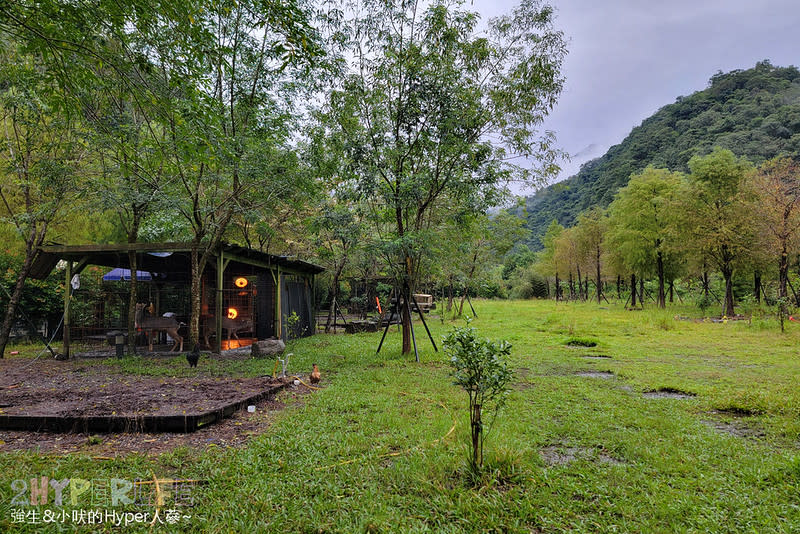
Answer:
(260, 291)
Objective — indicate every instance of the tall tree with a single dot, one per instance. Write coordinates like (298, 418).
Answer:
(431, 112)
(591, 229)
(640, 219)
(546, 261)
(39, 151)
(776, 205)
(338, 229)
(715, 216)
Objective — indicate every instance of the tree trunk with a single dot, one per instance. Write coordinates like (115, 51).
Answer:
(641, 292)
(571, 287)
(599, 282)
(783, 273)
(194, 316)
(662, 303)
(32, 243)
(333, 294)
(132, 300)
(558, 287)
(633, 290)
(476, 428)
(580, 284)
(619, 287)
(671, 291)
(450, 295)
(728, 309)
(407, 347)
(757, 286)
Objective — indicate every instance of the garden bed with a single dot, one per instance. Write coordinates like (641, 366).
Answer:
(77, 396)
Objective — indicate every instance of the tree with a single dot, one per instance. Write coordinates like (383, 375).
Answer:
(776, 205)
(227, 118)
(591, 230)
(211, 79)
(715, 213)
(431, 112)
(567, 260)
(546, 264)
(640, 219)
(338, 231)
(39, 153)
(478, 367)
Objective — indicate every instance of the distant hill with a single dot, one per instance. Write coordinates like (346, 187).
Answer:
(754, 113)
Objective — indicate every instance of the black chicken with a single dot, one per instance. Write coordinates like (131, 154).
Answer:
(193, 356)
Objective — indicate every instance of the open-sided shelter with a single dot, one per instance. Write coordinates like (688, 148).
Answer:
(238, 283)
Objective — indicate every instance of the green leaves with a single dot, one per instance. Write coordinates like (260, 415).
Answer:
(478, 367)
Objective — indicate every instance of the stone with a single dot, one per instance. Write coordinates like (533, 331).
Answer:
(267, 347)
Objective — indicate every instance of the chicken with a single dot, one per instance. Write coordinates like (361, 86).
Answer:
(193, 356)
(314, 377)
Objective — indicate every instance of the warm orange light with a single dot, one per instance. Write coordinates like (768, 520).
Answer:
(241, 282)
(232, 313)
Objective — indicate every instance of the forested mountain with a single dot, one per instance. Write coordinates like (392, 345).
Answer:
(754, 113)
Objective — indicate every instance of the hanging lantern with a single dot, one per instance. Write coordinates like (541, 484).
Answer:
(232, 313)
(241, 282)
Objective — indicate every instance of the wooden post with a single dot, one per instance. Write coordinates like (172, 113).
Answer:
(218, 318)
(67, 294)
(278, 317)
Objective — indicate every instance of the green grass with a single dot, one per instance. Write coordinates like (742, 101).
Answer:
(361, 454)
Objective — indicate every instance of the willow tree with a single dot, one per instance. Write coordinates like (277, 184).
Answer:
(433, 110)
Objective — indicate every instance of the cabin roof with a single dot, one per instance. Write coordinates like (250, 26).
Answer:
(173, 258)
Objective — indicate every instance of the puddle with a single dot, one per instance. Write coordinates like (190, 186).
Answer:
(738, 429)
(596, 374)
(732, 422)
(668, 393)
(556, 455)
(581, 342)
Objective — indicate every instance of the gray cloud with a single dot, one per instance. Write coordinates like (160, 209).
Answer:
(628, 58)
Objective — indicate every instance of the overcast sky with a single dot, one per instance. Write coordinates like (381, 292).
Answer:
(628, 58)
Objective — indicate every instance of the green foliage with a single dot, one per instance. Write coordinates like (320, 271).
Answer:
(294, 329)
(529, 284)
(479, 368)
(755, 113)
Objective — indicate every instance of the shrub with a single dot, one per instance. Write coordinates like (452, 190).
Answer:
(479, 369)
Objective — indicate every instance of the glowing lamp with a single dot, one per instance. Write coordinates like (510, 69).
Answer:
(232, 313)
(241, 282)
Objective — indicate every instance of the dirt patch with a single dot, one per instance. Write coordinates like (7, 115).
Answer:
(668, 393)
(235, 431)
(606, 375)
(733, 423)
(88, 388)
(595, 357)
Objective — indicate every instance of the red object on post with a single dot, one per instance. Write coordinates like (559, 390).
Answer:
(378, 302)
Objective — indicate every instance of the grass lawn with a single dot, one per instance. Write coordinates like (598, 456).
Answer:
(581, 445)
